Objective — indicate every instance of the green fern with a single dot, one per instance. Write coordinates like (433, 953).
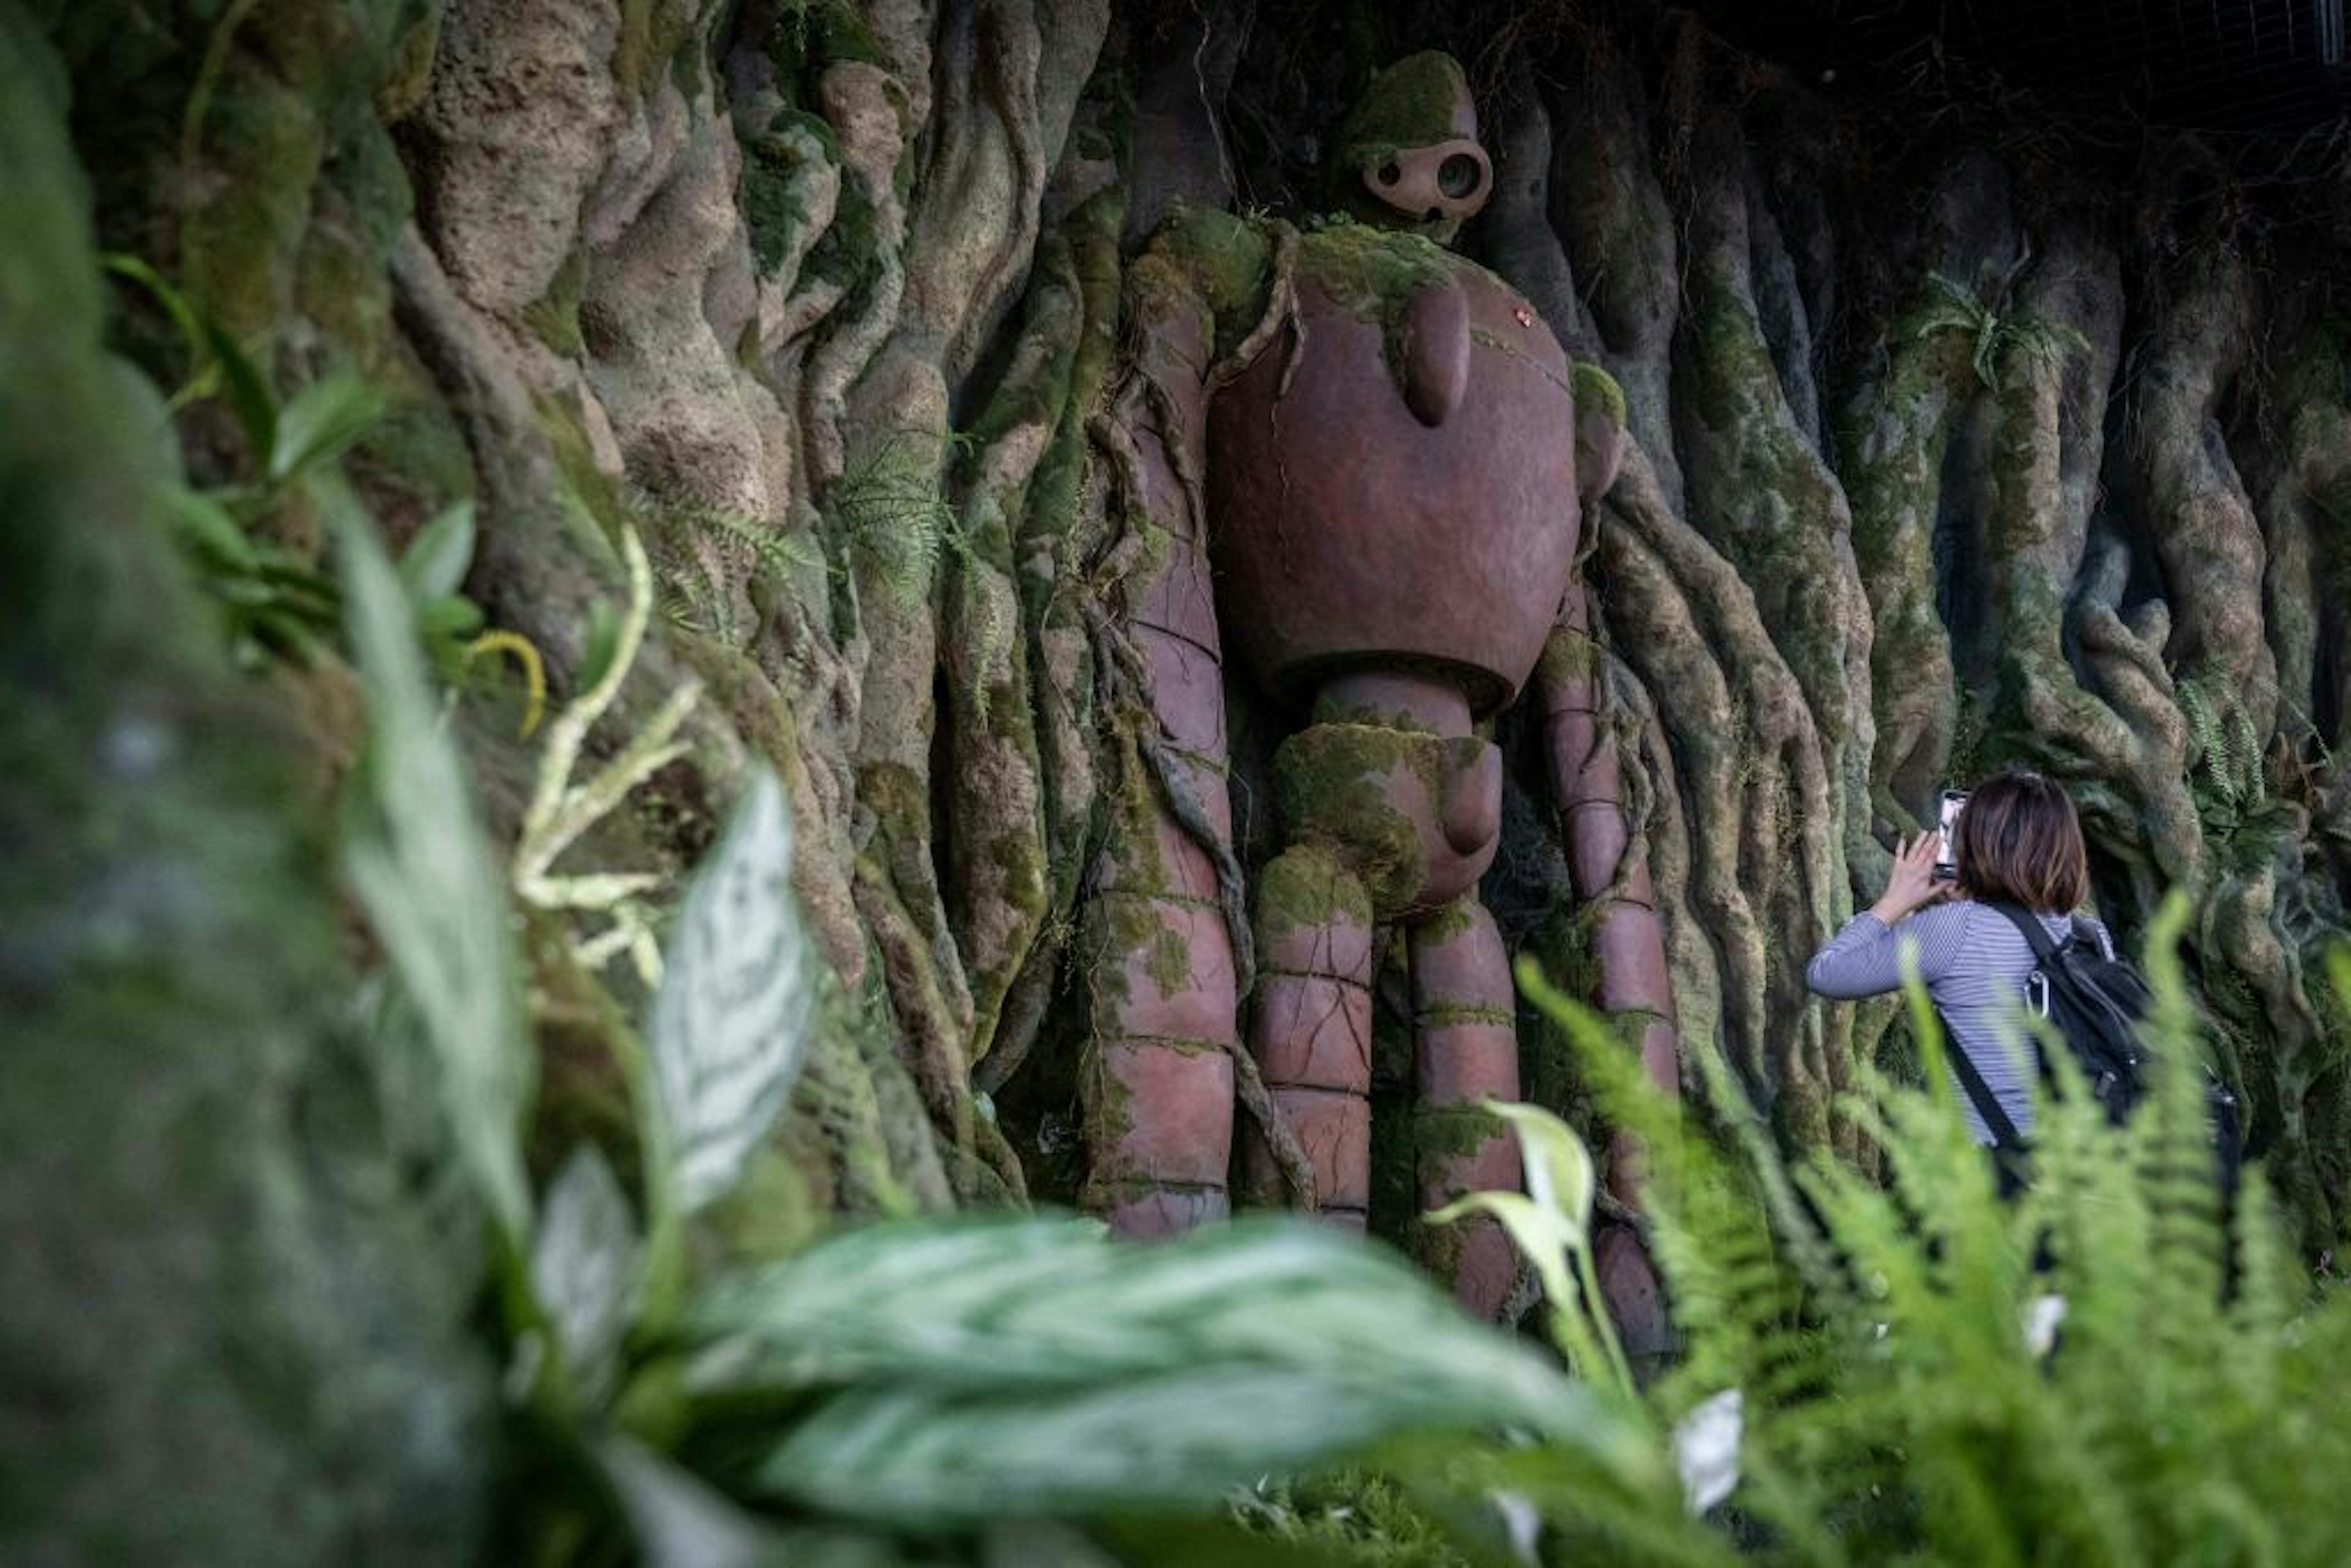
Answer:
(704, 555)
(1996, 334)
(893, 509)
(2227, 769)
(2114, 1368)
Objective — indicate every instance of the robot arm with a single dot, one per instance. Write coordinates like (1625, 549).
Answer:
(1166, 971)
(1635, 986)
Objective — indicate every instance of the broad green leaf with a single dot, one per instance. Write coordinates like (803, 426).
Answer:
(207, 528)
(1551, 1226)
(322, 421)
(448, 619)
(434, 565)
(598, 646)
(731, 1017)
(923, 1457)
(583, 1265)
(415, 856)
(1025, 1334)
(246, 390)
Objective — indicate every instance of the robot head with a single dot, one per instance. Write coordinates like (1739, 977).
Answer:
(1408, 157)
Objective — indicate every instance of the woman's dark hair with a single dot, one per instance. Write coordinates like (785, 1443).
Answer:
(2018, 842)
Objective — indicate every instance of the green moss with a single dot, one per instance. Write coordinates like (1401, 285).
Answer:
(1224, 261)
(1409, 104)
(1457, 918)
(849, 252)
(1331, 786)
(1446, 1132)
(1595, 388)
(590, 503)
(774, 167)
(1373, 272)
(650, 33)
(408, 65)
(1445, 1013)
(554, 316)
(1304, 888)
(1568, 658)
(265, 144)
(1169, 962)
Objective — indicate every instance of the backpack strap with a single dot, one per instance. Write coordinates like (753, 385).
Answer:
(2086, 933)
(1996, 1121)
(2045, 947)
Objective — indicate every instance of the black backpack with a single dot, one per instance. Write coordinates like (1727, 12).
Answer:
(2095, 1004)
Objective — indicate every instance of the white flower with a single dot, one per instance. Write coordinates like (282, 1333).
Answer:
(1706, 1449)
(2041, 1316)
(1522, 1522)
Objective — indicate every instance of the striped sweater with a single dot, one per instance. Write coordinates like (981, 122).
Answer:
(1973, 962)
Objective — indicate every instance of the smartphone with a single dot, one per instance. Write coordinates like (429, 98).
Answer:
(1946, 864)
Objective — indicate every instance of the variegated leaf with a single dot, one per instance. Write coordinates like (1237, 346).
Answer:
(416, 858)
(583, 1264)
(731, 1016)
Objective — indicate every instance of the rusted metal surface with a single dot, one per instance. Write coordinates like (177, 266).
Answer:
(1350, 534)
(1628, 943)
(1466, 1053)
(1310, 1029)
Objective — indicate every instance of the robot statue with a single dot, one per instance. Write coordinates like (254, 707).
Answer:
(1360, 461)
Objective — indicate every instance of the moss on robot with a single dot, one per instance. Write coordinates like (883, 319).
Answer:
(1441, 1015)
(1568, 657)
(1409, 104)
(1331, 785)
(1441, 1135)
(1372, 272)
(1210, 258)
(1595, 388)
(1457, 918)
(1307, 887)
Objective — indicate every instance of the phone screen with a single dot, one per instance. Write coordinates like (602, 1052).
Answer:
(1946, 859)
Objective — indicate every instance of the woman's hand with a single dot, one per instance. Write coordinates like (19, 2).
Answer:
(1912, 882)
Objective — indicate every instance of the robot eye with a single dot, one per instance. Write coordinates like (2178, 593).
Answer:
(1458, 175)
(1390, 174)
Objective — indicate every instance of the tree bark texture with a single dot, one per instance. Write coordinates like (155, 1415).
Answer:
(1954, 443)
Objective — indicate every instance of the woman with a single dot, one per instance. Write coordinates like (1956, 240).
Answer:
(2017, 842)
